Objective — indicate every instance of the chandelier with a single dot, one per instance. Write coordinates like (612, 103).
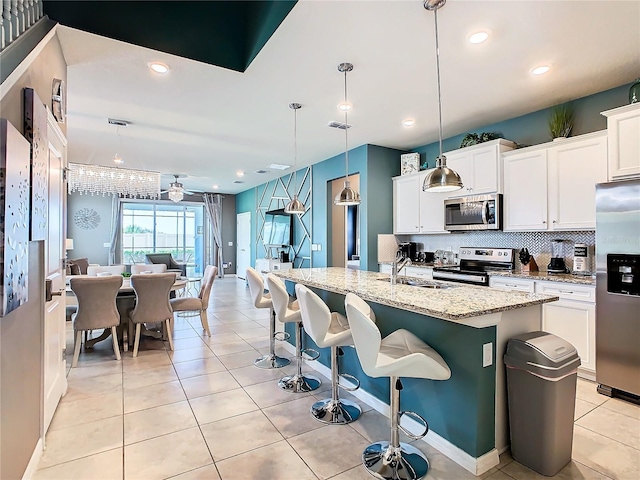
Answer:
(99, 180)
(176, 191)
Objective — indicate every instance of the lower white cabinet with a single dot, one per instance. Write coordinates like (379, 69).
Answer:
(573, 318)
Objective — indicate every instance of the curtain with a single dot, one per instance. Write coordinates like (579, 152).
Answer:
(116, 219)
(213, 204)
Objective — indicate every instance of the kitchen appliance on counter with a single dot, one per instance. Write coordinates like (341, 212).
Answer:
(581, 259)
(408, 250)
(618, 289)
(475, 265)
(475, 212)
(557, 265)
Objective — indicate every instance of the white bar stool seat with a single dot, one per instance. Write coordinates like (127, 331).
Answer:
(288, 311)
(400, 354)
(263, 300)
(328, 329)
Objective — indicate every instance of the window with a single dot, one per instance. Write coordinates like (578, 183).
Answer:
(164, 228)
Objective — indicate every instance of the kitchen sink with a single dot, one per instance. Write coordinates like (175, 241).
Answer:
(417, 282)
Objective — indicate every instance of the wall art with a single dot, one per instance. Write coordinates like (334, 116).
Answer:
(87, 218)
(14, 217)
(35, 131)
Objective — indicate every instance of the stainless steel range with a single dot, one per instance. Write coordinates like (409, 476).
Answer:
(475, 264)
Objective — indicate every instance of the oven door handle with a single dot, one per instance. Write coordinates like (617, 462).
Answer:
(485, 208)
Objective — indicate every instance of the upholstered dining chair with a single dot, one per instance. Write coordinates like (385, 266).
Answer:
(150, 268)
(94, 271)
(96, 308)
(201, 302)
(152, 303)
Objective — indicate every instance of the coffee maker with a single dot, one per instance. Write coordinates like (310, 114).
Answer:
(408, 250)
(557, 265)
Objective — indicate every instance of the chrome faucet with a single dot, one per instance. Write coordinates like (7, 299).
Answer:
(398, 264)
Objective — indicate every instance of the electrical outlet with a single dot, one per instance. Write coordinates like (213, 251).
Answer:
(231, 244)
(487, 354)
(229, 263)
(225, 265)
(316, 247)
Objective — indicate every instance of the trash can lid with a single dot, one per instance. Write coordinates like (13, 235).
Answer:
(540, 349)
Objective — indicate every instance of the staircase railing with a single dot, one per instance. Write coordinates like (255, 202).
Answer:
(17, 16)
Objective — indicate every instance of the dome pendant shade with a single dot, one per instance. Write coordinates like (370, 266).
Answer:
(442, 178)
(348, 196)
(295, 206)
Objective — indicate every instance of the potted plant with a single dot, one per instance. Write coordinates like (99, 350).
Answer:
(561, 121)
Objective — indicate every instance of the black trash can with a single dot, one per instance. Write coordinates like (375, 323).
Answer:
(541, 389)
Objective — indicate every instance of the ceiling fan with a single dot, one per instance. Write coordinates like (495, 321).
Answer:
(176, 190)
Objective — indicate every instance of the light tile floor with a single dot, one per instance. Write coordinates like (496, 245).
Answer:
(205, 412)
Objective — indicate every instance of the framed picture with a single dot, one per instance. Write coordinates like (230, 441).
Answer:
(14, 217)
(409, 163)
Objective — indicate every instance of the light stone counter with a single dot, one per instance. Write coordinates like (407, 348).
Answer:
(456, 303)
(549, 277)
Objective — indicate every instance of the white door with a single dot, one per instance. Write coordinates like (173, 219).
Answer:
(55, 381)
(243, 243)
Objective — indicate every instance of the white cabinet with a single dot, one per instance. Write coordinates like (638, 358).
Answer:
(511, 284)
(406, 203)
(415, 211)
(552, 186)
(479, 167)
(623, 127)
(572, 318)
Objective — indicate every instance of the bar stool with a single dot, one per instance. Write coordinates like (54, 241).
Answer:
(399, 354)
(328, 329)
(263, 300)
(287, 312)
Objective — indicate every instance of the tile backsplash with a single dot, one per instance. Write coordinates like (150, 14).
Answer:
(538, 243)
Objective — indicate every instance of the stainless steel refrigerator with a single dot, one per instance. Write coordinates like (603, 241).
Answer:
(618, 287)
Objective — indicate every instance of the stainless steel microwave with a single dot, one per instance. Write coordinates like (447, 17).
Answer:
(474, 212)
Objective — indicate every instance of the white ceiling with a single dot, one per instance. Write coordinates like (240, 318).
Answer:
(208, 122)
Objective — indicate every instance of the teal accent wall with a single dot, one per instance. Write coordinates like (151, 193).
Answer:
(461, 409)
(532, 128)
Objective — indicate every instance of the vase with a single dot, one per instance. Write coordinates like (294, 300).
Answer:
(634, 92)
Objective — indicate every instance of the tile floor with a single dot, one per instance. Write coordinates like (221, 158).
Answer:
(205, 412)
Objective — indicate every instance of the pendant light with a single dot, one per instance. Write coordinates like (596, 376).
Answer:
(295, 205)
(348, 196)
(442, 178)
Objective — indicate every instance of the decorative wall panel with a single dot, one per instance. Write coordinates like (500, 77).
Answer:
(35, 131)
(14, 217)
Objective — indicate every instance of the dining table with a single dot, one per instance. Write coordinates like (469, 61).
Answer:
(125, 301)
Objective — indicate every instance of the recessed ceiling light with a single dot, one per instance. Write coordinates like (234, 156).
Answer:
(158, 67)
(409, 122)
(240, 173)
(541, 70)
(345, 106)
(216, 187)
(278, 166)
(478, 37)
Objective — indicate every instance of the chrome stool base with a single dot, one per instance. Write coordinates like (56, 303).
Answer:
(338, 412)
(299, 383)
(271, 361)
(385, 462)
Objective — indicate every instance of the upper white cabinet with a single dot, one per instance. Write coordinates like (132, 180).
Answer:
(623, 127)
(479, 167)
(415, 211)
(552, 186)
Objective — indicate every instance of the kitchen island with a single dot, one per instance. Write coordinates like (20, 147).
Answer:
(468, 325)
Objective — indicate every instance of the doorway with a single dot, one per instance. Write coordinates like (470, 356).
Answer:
(345, 228)
(243, 244)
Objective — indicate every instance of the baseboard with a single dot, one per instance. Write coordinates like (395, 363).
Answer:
(32, 466)
(476, 466)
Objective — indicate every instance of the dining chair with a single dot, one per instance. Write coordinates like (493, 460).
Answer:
(201, 302)
(96, 308)
(94, 271)
(144, 268)
(152, 303)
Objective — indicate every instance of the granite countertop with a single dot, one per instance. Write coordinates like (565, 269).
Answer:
(549, 277)
(455, 303)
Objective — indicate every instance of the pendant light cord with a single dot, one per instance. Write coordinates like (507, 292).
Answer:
(346, 128)
(295, 151)
(435, 16)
